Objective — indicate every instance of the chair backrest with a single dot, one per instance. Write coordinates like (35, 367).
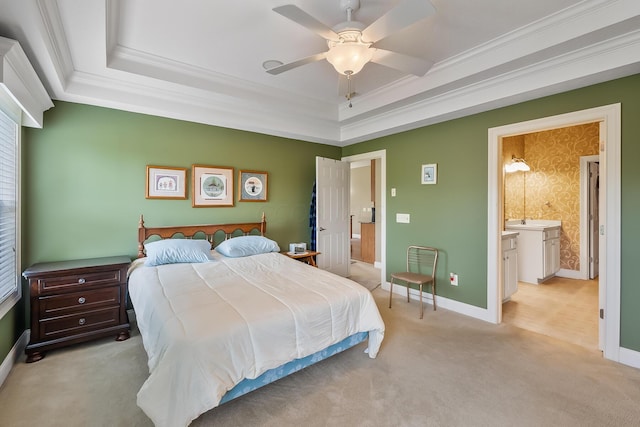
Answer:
(422, 260)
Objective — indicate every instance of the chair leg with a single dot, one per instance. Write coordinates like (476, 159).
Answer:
(390, 292)
(433, 294)
(421, 308)
(408, 286)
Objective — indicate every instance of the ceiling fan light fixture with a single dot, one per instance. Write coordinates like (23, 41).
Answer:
(349, 54)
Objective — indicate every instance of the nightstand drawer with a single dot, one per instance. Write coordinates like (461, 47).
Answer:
(57, 305)
(61, 283)
(64, 326)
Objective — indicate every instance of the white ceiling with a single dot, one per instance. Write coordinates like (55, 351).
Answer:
(201, 60)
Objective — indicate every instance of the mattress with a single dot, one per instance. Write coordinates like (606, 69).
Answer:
(206, 327)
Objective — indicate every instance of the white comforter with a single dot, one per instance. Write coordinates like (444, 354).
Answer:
(205, 327)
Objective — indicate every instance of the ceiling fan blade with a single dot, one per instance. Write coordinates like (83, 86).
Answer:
(286, 67)
(301, 17)
(402, 62)
(407, 12)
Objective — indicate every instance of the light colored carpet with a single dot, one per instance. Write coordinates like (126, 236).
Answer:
(365, 274)
(444, 370)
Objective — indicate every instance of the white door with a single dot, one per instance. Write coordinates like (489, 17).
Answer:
(332, 215)
(594, 220)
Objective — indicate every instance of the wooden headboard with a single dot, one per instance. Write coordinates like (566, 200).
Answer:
(188, 231)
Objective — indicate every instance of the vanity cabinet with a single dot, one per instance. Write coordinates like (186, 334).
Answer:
(538, 253)
(509, 265)
(551, 252)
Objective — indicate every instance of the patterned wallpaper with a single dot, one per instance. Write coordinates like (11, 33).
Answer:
(551, 190)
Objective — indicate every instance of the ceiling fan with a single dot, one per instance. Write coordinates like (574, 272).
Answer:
(351, 43)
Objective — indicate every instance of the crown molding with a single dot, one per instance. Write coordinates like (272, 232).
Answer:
(19, 79)
(540, 59)
(594, 64)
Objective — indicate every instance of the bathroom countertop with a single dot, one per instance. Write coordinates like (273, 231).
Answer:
(533, 224)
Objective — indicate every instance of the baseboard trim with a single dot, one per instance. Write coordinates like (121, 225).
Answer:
(569, 274)
(16, 351)
(630, 357)
(442, 302)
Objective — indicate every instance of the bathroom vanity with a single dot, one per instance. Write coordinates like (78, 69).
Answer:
(538, 249)
(509, 264)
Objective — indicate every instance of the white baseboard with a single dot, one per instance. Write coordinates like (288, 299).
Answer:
(16, 351)
(442, 302)
(569, 274)
(629, 357)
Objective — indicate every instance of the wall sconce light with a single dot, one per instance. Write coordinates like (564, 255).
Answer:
(516, 165)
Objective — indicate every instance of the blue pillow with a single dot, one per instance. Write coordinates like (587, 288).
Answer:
(173, 251)
(247, 245)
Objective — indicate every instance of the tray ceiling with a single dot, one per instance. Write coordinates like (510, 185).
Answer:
(201, 61)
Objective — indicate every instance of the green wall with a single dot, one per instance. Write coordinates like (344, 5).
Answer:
(85, 174)
(452, 215)
(85, 186)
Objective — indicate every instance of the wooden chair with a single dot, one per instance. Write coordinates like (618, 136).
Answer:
(421, 270)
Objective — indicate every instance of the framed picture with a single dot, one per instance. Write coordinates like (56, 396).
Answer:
(165, 182)
(429, 174)
(253, 186)
(212, 186)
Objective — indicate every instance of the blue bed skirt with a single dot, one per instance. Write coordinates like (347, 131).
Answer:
(247, 385)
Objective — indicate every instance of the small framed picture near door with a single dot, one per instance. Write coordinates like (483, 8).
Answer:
(253, 186)
(429, 173)
(212, 186)
(164, 182)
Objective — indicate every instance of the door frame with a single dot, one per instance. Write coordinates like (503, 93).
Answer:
(610, 216)
(381, 211)
(585, 231)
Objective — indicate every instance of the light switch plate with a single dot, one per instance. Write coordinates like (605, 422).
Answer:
(403, 218)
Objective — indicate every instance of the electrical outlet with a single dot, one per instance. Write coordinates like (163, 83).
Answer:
(453, 278)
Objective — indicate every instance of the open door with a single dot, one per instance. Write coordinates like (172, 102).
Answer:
(594, 220)
(332, 215)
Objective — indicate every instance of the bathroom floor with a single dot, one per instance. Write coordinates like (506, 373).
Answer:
(566, 309)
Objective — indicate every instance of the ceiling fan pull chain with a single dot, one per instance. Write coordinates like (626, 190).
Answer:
(348, 73)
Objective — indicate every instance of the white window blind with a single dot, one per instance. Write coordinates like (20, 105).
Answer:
(9, 277)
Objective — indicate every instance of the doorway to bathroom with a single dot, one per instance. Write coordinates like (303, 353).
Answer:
(564, 306)
(608, 309)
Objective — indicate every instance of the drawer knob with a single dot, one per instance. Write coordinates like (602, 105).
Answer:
(81, 281)
(82, 321)
(81, 300)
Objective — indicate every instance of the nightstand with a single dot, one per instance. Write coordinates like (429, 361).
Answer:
(308, 257)
(76, 301)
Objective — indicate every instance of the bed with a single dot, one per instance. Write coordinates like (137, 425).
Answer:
(245, 316)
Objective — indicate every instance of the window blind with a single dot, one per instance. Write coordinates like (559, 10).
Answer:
(8, 207)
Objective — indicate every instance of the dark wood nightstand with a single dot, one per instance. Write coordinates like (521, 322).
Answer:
(308, 257)
(76, 301)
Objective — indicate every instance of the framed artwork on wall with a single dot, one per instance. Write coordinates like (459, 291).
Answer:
(253, 186)
(429, 174)
(165, 182)
(212, 186)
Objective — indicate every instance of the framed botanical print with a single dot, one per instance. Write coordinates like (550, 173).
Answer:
(429, 174)
(212, 186)
(165, 182)
(252, 186)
